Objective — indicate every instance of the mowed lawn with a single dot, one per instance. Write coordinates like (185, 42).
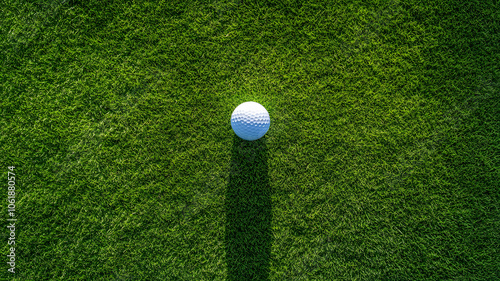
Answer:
(381, 162)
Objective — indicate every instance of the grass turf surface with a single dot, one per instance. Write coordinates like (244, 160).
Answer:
(381, 163)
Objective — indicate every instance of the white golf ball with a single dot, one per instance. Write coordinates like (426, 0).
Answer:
(250, 121)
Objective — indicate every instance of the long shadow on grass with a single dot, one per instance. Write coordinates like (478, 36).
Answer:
(248, 212)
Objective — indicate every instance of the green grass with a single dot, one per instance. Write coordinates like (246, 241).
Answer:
(381, 162)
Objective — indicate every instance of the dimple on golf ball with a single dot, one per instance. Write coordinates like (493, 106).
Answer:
(250, 121)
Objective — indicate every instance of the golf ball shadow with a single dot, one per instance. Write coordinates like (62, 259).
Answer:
(248, 212)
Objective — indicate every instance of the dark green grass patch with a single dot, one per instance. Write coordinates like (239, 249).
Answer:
(381, 162)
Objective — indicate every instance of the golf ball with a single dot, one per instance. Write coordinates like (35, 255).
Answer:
(250, 121)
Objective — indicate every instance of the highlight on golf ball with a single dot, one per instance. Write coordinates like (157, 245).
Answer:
(250, 121)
